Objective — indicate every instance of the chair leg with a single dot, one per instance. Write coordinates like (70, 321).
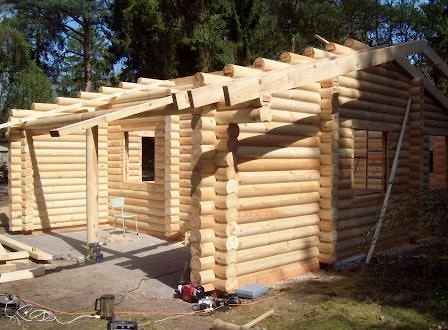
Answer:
(136, 224)
(124, 228)
(115, 222)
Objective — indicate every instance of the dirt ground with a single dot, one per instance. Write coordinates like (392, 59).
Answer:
(408, 290)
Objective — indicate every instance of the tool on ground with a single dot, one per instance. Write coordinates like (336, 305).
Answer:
(9, 304)
(120, 325)
(94, 252)
(190, 293)
(105, 308)
(223, 325)
(252, 290)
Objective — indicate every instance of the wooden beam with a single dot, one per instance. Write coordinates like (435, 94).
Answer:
(92, 184)
(435, 60)
(302, 74)
(34, 253)
(22, 274)
(111, 116)
(427, 84)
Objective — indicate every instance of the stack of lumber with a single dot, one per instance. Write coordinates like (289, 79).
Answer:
(20, 253)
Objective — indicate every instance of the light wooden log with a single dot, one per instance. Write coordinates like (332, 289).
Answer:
(338, 49)
(253, 203)
(203, 79)
(278, 212)
(273, 152)
(277, 165)
(226, 243)
(317, 53)
(202, 277)
(92, 184)
(299, 95)
(261, 227)
(277, 176)
(293, 58)
(265, 64)
(270, 189)
(202, 249)
(280, 129)
(237, 71)
(266, 140)
(295, 105)
(355, 44)
(226, 229)
(201, 264)
(279, 248)
(276, 260)
(262, 114)
(226, 258)
(226, 285)
(368, 86)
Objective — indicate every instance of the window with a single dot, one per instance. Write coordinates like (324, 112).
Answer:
(370, 161)
(138, 156)
(148, 153)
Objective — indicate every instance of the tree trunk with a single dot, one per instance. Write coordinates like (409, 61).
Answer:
(86, 55)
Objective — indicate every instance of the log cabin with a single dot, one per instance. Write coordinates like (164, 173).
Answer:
(271, 169)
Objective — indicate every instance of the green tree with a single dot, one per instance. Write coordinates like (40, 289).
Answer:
(21, 81)
(56, 29)
(29, 85)
(435, 29)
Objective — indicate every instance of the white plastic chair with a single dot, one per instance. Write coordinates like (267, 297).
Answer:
(117, 204)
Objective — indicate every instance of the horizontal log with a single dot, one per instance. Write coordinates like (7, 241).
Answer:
(277, 176)
(277, 213)
(247, 152)
(276, 237)
(364, 85)
(226, 285)
(202, 277)
(293, 58)
(269, 189)
(273, 249)
(277, 164)
(261, 227)
(280, 129)
(275, 261)
(261, 139)
(295, 105)
(253, 203)
(262, 114)
(197, 263)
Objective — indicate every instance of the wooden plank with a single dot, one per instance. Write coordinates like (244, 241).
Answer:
(243, 90)
(22, 274)
(34, 253)
(111, 116)
(8, 268)
(14, 255)
(428, 85)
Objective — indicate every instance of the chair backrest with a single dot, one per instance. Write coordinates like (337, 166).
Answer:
(117, 202)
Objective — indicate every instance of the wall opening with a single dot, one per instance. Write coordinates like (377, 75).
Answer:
(370, 162)
(438, 159)
(148, 158)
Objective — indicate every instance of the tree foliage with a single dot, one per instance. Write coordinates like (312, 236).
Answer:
(83, 44)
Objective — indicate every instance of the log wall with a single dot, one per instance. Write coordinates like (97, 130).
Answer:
(371, 106)
(156, 203)
(278, 194)
(47, 180)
